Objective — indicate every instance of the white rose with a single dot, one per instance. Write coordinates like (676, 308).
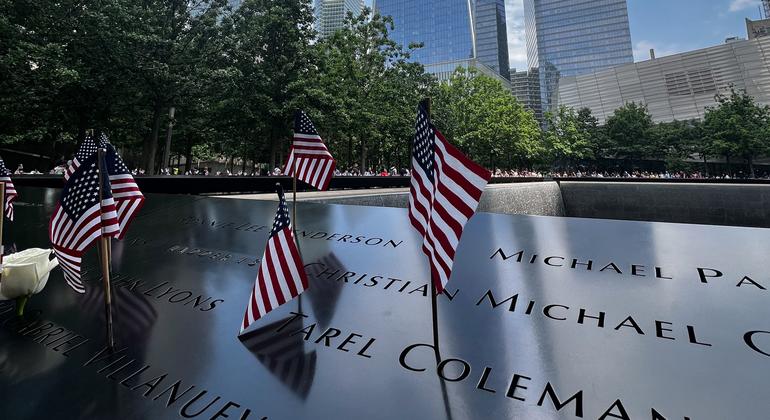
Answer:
(25, 273)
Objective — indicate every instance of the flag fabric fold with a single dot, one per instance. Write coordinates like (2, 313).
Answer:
(445, 190)
(308, 157)
(80, 218)
(128, 197)
(281, 276)
(10, 190)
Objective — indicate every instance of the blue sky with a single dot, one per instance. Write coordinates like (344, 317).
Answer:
(668, 26)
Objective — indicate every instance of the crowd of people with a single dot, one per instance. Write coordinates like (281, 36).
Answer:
(354, 170)
(614, 174)
(20, 171)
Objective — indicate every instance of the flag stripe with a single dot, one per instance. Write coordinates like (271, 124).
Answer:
(269, 282)
(281, 275)
(74, 230)
(276, 273)
(10, 190)
(309, 159)
(445, 191)
(289, 273)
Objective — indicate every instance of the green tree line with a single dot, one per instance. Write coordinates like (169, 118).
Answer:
(235, 76)
(736, 128)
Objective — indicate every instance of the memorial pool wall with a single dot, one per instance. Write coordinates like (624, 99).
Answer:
(711, 204)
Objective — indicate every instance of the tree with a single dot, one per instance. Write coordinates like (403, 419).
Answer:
(484, 120)
(58, 69)
(272, 62)
(629, 132)
(597, 136)
(569, 138)
(738, 126)
(679, 141)
(112, 64)
(370, 91)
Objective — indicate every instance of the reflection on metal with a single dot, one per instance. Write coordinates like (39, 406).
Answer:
(472, 22)
(536, 302)
(283, 354)
(134, 314)
(324, 294)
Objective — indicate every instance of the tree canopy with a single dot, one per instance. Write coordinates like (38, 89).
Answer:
(484, 120)
(235, 77)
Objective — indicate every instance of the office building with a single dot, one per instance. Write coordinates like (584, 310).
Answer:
(757, 28)
(525, 86)
(492, 35)
(574, 37)
(330, 14)
(453, 33)
(676, 87)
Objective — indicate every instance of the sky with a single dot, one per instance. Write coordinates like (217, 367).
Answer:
(668, 26)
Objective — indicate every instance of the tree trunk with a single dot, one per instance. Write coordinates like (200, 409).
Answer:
(729, 169)
(150, 148)
(82, 126)
(363, 157)
(706, 164)
(751, 166)
(53, 136)
(273, 149)
(188, 156)
(350, 152)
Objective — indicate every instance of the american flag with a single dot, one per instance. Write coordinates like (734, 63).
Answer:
(281, 275)
(445, 190)
(314, 164)
(10, 190)
(128, 198)
(80, 219)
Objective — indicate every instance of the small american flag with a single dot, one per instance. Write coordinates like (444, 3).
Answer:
(87, 149)
(10, 190)
(80, 219)
(281, 275)
(445, 190)
(314, 164)
(128, 198)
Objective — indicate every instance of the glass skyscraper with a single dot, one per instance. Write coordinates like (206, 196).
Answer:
(453, 33)
(330, 14)
(492, 35)
(575, 37)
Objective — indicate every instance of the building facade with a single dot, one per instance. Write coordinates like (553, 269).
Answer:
(330, 14)
(492, 35)
(464, 33)
(525, 86)
(574, 37)
(757, 28)
(677, 87)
